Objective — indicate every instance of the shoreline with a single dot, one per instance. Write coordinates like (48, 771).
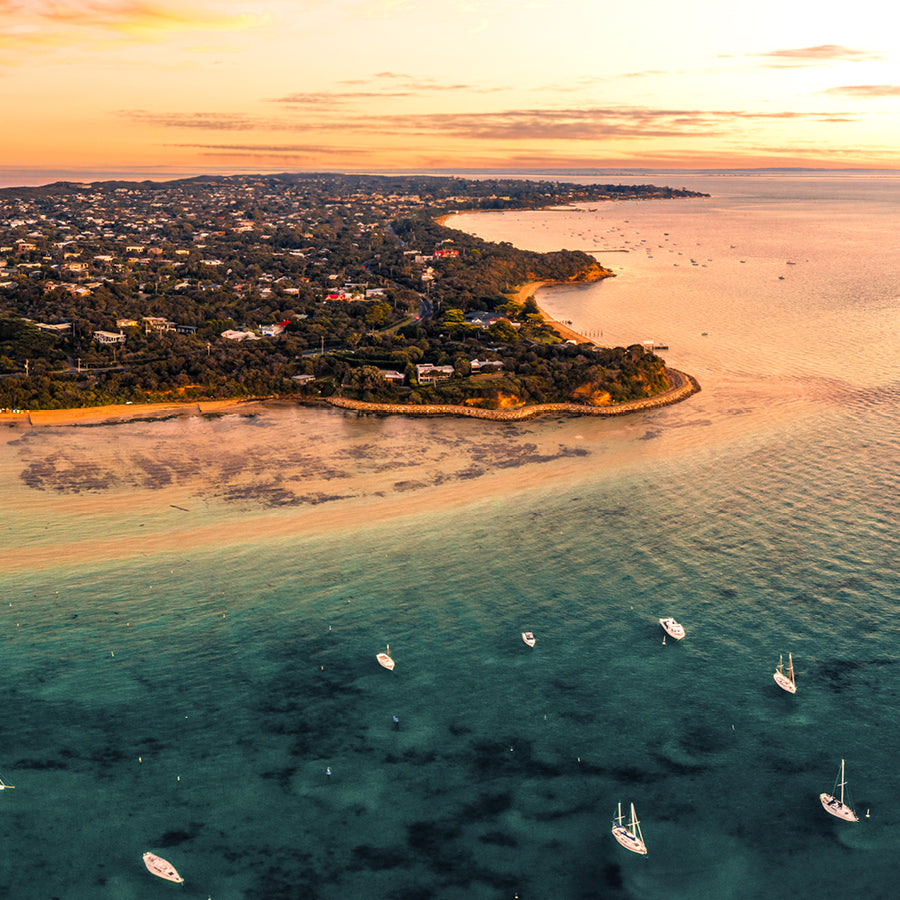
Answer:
(119, 412)
(684, 386)
(530, 288)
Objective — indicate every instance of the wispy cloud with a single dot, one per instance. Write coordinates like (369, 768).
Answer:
(139, 17)
(41, 25)
(203, 120)
(383, 85)
(864, 90)
(546, 125)
(818, 55)
(591, 124)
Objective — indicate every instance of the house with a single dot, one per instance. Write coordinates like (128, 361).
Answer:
(56, 330)
(232, 335)
(484, 319)
(157, 323)
(486, 365)
(392, 376)
(429, 374)
(109, 337)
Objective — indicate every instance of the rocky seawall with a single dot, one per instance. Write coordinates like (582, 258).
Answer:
(683, 386)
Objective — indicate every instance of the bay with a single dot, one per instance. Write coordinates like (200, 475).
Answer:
(191, 608)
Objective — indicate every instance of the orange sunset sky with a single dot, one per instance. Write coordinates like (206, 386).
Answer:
(363, 85)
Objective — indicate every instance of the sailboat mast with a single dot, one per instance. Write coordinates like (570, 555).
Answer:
(842, 782)
(791, 668)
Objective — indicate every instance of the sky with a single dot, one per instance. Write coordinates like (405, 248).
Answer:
(197, 86)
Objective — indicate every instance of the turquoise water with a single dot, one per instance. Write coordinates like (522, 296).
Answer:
(186, 690)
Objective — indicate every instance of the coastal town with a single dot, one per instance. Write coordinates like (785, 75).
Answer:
(308, 286)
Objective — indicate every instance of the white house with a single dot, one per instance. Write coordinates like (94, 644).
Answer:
(429, 374)
(109, 337)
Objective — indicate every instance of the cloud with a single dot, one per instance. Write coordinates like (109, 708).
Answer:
(865, 90)
(296, 154)
(821, 53)
(140, 17)
(584, 124)
(32, 26)
(587, 124)
(202, 120)
(335, 98)
(396, 86)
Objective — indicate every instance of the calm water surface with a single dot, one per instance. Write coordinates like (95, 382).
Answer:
(191, 609)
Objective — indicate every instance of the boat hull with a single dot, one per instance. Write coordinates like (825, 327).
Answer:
(672, 628)
(162, 868)
(528, 637)
(385, 661)
(628, 840)
(785, 683)
(839, 810)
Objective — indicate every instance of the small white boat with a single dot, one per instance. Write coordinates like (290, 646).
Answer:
(836, 806)
(385, 659)
(528, 637)
(672, 628)
(784, 679)
(161, 867)
(629, 836)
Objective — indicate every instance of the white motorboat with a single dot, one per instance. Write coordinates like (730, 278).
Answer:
(528, 637)
(672, 628)
(836, 806)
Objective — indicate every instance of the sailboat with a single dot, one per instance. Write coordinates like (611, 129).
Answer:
(785, 680)
(385, 659)
(836, 806)
(629, 836)
(161, 867)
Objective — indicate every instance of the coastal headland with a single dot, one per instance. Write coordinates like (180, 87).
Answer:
(340, 290)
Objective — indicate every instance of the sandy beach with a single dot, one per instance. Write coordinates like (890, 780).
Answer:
(529, 289)
(118, 412)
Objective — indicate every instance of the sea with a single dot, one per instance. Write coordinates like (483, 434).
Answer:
(192, 606)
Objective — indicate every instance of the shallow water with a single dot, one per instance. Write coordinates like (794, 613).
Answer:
(192, 609)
